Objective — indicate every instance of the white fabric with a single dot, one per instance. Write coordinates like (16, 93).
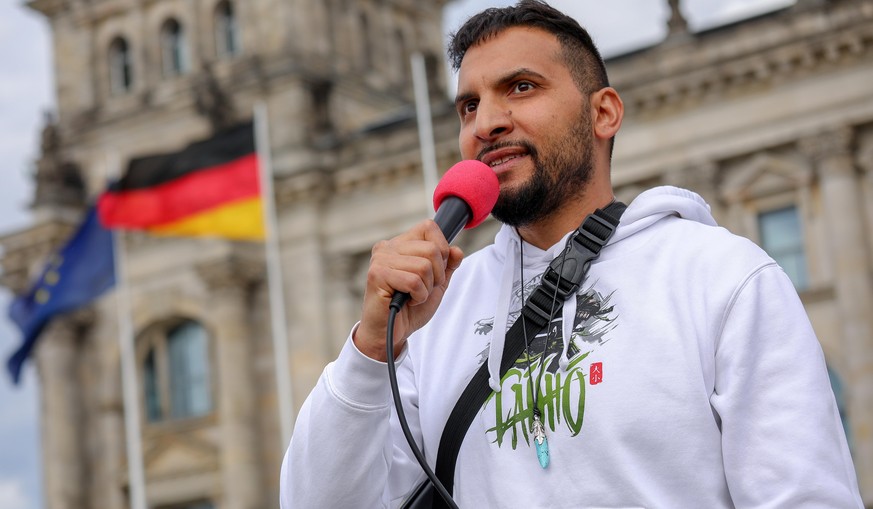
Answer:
(693, 379)
(498, 333)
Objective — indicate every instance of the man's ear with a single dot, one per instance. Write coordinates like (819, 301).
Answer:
(607, 112)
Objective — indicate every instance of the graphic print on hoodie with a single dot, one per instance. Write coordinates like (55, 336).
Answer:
(561, 395)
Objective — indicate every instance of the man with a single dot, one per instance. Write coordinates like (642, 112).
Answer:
(684, 374)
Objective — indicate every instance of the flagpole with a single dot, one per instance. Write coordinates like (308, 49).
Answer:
(274, 275)
(136, 476)
(425, 126)
(129, 389)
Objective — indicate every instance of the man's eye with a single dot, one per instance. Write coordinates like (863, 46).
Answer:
(523, 86)
(469, 107)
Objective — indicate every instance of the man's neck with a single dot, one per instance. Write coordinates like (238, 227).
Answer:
(547, 232)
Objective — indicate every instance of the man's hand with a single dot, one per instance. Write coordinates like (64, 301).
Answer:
(419, 262)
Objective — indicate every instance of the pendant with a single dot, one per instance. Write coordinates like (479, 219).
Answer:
(540, 440)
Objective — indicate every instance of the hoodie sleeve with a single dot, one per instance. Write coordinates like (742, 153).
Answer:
(342, 454)
(782, 438)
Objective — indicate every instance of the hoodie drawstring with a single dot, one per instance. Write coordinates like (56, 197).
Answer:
(501, 314)
(568, 322)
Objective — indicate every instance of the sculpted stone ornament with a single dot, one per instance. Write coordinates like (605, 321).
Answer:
(831, 151)
(832, 143)
(212, 102)
(677, 23)
(233, 274)
(58, 181)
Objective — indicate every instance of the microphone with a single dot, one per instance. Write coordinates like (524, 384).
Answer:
(463, 198)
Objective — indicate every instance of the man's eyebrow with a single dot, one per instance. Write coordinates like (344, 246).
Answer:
(518, 73)
(499, 82)
(462, 98)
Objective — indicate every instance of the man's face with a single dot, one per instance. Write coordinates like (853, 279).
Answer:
(522, 114)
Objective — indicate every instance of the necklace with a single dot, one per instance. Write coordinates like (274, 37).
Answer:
(541, 442)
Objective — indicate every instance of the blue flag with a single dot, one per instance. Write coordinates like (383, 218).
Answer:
(74, 276)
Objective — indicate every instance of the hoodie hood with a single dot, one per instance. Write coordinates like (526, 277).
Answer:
(659, 202)
(518, 256)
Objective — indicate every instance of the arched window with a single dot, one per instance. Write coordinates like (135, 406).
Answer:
(150, 387)
(189, 371)
(174, 53)
(227, 41)
(120, 67)
(176, 374)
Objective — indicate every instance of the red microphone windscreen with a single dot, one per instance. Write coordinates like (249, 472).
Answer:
(472, 181)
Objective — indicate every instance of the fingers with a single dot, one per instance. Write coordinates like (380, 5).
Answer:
(413, 263)
(414, 270)
(418, 262)
(454, 261)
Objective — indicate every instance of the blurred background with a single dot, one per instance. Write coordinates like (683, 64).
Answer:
(764, 107)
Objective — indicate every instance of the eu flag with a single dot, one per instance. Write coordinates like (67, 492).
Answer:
(74, 276)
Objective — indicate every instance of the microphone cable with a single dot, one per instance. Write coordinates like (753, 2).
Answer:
(394, 308)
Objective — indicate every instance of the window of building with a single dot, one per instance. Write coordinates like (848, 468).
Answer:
(176, 373)
(120, 67)
(781, 234)
(152, 391)
(174, 53)
(227, 42)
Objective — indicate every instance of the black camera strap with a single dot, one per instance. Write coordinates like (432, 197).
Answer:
(563, 278)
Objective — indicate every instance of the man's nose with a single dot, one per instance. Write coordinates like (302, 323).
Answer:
(492, 121)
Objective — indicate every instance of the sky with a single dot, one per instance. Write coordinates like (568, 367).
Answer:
(27, 91)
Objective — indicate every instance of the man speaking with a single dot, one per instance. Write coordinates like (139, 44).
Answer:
(681, 372)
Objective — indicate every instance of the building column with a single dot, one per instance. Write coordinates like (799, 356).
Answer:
(229, 281)
(107, 481)
(845, 218)
(865, 161)
(63, 452)
(344, 303)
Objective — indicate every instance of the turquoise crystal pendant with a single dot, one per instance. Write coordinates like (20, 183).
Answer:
(540, 440)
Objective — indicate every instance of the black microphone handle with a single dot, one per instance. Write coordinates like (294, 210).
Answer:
(451, 216)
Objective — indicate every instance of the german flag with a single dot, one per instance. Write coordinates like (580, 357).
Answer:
(209, 188)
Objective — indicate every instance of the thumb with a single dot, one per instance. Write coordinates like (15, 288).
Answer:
(454, 261)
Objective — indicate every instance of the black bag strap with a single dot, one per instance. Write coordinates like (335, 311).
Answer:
(564, 276)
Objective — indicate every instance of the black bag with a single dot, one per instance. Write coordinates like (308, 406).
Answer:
(562, 279)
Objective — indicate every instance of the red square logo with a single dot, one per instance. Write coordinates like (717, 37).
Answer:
(595, 373)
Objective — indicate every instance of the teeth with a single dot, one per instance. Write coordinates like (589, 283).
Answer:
(502, 160)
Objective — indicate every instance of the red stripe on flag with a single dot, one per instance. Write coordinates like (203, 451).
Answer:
(191, 194)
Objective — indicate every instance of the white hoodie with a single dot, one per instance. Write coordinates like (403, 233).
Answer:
(691, 379)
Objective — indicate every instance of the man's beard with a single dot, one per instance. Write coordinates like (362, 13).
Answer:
(560, 174)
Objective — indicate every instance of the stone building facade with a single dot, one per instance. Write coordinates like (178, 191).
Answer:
(770, 119)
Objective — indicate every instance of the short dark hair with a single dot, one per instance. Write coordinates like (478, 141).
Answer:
(577, 49)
